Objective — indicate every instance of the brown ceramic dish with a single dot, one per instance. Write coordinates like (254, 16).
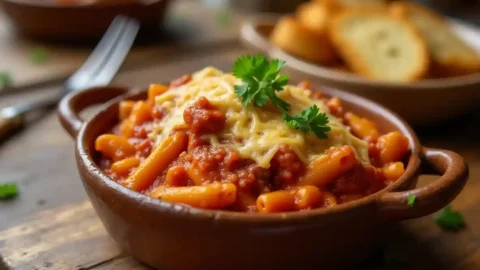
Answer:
(170, 236)
(67, 22)
(421, 102)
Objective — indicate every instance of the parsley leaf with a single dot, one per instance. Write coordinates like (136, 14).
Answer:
(449, 219)
(5, 79)
(8, 191)
(309, 120)
(261, 81)
(411, 200)
(39, 55)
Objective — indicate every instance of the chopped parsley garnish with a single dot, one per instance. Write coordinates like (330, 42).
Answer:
(411, 199)
(309, 120)
(5, 79)
(39, 55)
(8, 191)
(261, 80)
(449, 219)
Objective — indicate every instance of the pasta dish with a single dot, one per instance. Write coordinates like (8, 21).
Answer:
(247, 141)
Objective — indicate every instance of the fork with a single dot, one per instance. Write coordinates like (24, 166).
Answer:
(98, 70)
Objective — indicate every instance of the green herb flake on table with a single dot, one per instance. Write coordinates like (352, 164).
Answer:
(5, 79)
(8, 191)
(449, 219)
(39, 55)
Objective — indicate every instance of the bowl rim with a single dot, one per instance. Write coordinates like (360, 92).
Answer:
(250, 34)
(80, 5)
(85, 161)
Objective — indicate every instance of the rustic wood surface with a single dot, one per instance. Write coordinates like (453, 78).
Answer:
(51, 224)
(184, 26)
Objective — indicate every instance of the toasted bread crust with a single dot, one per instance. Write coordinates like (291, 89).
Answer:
(350, 54)
(401, 9)
(337, 5)
(314, 16)
(453, 66)
(298, 40)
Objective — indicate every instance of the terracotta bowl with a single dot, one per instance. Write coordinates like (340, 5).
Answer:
(174, 237)
(49, 19)
(423, 102)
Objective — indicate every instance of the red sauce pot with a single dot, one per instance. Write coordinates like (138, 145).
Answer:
(170, 236)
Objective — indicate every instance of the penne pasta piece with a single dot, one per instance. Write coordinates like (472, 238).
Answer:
(392, 146)
(124, 167)
(157, 162)
(362, 127)
(323, 170)
(307, 197)
(126, 128)
(393, 171)
(196, 175)
(329, 199)
(114, 147)
(212, 196)
(125, 109)
(299, 198)
(176, 177)
(277, 201)
(140, 112)
(154, 90)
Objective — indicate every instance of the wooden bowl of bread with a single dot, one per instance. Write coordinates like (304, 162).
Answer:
(420, 64)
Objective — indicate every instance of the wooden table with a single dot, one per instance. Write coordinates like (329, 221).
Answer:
(51, 224)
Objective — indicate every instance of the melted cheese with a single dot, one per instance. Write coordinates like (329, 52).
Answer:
(256, 133)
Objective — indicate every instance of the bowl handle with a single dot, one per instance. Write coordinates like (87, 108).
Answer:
(453, 173)
(72, 104)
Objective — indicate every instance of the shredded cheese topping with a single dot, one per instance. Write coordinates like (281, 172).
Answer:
(256, 133)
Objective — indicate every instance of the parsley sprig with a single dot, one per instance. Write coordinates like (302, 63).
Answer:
(449, 219)
(261, 80)
(5, 79)
(309, 120)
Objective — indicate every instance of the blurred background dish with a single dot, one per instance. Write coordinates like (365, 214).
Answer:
(420, 102)
(389, 41)
(265, 5)
(74, 20)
